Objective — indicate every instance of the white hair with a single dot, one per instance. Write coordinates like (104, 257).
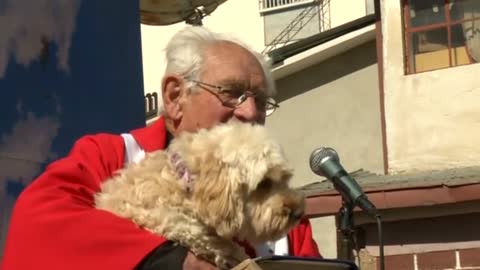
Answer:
(185, 53)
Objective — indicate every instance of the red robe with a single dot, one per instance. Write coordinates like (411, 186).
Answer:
(54, 224)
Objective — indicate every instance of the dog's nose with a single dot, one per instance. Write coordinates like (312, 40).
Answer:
(297, 213)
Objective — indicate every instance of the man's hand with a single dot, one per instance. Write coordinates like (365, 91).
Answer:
(193, 263)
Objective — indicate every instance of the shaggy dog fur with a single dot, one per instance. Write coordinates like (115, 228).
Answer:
(240, 192)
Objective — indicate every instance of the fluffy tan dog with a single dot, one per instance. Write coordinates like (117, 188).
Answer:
(209, 189)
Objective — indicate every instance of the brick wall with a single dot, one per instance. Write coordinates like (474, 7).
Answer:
(438, 260)
(441, 243)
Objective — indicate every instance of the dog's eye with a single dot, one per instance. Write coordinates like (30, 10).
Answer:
(265, 184)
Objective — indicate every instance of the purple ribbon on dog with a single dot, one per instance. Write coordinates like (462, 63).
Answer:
(182, 171)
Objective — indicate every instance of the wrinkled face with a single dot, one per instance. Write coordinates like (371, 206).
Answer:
(225, 64)
(242, 186)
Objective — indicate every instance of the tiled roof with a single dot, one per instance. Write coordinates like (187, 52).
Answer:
(420, 179)
(412, 189)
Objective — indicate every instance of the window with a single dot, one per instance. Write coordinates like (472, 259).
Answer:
(369, 7)
(151, 105)
(441, 34)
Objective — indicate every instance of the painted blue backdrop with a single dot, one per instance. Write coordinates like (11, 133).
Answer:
(67, 68)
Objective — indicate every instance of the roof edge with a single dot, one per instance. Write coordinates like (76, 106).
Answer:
(280, 54)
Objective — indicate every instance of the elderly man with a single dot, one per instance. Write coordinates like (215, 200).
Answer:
(209, 79)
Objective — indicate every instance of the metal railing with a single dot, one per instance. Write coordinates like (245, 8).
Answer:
(264, 4)
(295, 26)
(315, 8)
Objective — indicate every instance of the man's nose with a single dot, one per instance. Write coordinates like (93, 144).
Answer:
(248, 112)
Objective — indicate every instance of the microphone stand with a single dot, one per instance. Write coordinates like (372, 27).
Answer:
(347, 229)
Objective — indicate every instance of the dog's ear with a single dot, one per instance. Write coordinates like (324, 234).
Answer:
(220, 198)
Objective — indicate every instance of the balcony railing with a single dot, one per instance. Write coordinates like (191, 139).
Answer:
(266, 4)
(151, 105)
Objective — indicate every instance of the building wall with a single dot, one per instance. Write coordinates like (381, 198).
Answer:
(336, 104)
(432, 118)
(342, 11)
(423, 244)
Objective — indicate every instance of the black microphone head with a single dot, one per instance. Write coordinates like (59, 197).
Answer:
(319, 155)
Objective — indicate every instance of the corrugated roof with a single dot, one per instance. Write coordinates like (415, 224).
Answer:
(412, 189)
(417, 179)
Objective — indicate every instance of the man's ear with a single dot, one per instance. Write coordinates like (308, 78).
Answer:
(172, 92)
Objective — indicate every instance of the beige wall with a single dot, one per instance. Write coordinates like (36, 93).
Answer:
(344, 11)
(336, 104)
(432, 118)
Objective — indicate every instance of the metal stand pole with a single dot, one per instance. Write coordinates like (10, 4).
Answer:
(347, 231)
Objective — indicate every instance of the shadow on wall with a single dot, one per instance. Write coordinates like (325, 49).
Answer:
(435, 230)
(327, 71)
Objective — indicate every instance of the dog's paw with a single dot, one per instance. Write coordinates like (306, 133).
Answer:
(225, 263)
(230, 260)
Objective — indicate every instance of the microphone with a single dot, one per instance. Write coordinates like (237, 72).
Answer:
(324, 161)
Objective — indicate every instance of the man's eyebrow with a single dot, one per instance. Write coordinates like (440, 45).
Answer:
(235, 83)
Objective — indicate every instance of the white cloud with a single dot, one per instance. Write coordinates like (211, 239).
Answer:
(24, 23)
(27, 146)
(22, 153)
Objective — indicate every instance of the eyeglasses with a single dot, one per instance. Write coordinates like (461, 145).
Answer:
(234, 96)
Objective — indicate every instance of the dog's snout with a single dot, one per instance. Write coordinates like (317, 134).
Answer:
(297, 213)
(294, 206)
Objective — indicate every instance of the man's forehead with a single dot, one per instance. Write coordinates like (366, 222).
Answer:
(229, 63)
(225, 45)
(225, 52)
(232, 81)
